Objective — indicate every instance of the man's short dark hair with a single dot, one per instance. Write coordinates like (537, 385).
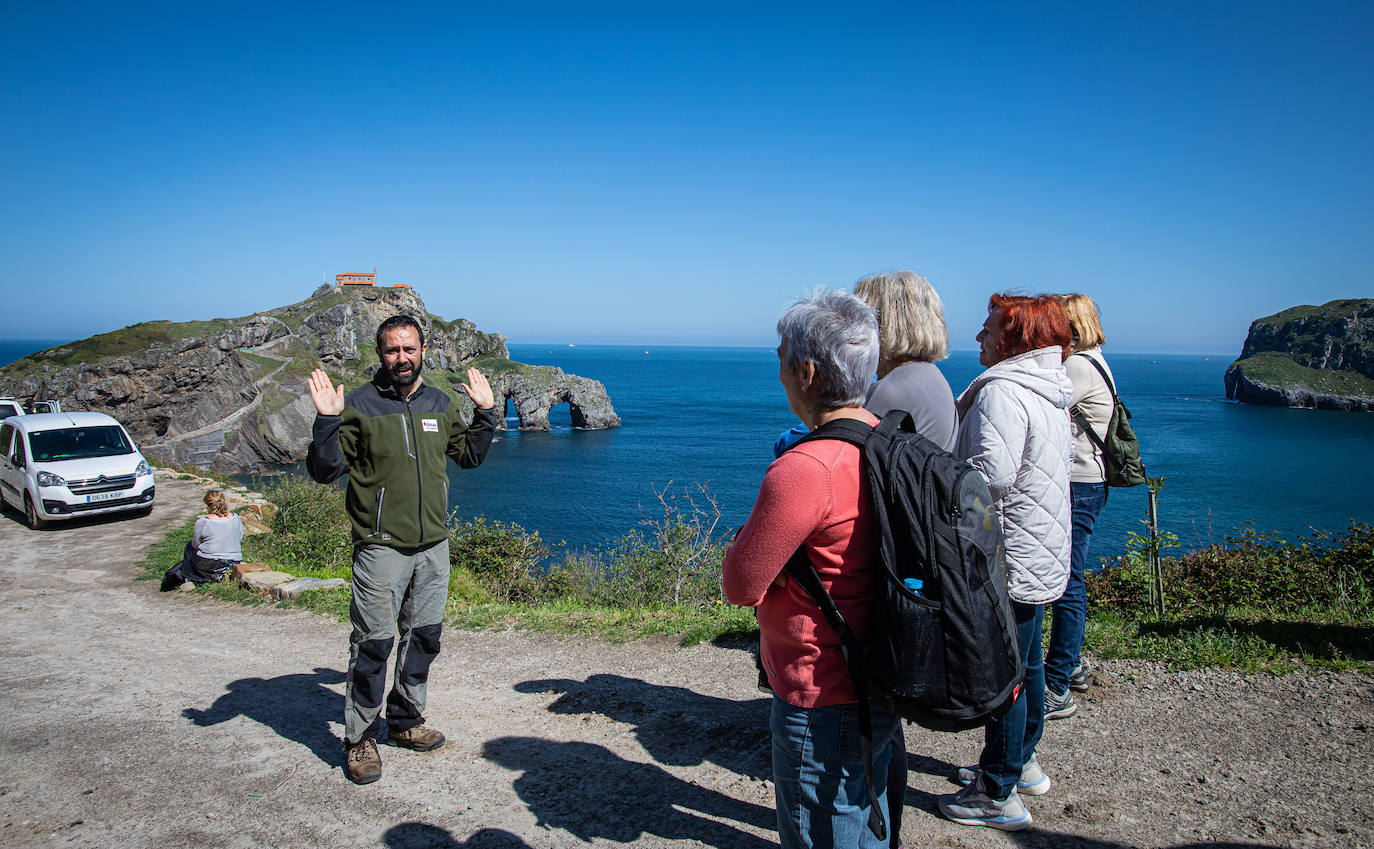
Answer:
(396, 322)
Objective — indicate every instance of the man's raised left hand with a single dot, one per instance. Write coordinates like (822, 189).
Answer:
(479, 390)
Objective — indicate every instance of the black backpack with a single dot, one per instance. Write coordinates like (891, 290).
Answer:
(1120, 449)
(944, 656)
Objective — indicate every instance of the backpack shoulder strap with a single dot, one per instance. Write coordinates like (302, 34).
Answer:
(1077, 412)
(894, 421)
(1082, 420)
(1100, 370)
(1108, 463)
(845, 430)
(800, 569)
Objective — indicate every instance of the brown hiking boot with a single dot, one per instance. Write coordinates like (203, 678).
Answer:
(418, 739)
(363, 763)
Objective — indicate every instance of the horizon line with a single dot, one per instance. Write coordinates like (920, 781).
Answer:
(55, 341)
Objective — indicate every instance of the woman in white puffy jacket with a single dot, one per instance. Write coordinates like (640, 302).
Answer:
(1014, 428)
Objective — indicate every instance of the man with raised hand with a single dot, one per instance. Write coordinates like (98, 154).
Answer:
(391, 436)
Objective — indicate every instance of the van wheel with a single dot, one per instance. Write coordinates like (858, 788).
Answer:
(31, 517)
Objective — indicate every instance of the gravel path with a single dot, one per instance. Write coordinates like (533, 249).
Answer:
(139, 719)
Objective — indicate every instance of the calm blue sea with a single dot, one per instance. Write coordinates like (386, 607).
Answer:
(709, 416)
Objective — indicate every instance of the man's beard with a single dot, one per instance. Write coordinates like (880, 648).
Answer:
(407, 380)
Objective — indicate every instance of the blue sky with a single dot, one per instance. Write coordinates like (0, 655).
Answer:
(677, 173)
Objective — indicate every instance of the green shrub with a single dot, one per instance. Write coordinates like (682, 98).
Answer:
(504, 558)
(1254, 602)
(1253, 571)
(310, 531)
(674, 561)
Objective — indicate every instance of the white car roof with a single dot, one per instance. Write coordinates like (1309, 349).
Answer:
(59, 421)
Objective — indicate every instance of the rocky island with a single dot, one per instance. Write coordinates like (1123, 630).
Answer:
(229, 394)
(1309, 356)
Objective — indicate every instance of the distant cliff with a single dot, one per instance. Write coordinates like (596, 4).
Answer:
(1321, 357)
(229, 394)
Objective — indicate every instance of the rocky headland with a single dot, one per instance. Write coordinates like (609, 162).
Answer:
(1318, 357)
(229, 394)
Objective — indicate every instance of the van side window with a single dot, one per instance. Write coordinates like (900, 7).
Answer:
(17, 457)
(6, 434)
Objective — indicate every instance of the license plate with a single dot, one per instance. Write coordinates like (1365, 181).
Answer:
(104, 496)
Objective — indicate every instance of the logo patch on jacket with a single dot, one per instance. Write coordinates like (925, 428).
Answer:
(429, 425)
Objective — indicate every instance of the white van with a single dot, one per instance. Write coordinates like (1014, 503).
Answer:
(63, 465)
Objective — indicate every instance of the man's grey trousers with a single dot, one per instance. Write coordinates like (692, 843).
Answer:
(398, 597)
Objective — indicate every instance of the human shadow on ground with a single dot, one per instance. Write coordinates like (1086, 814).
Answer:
(1038, 838)
(1324, 641)
(677, 726)
(591, 792)
(297, 707)
(422, 835)
(926, 765)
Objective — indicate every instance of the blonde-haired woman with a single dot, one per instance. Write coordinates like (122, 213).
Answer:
(1064, 668)
(215, 546)
(912, 337)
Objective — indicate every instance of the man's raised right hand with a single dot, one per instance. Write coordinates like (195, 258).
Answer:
(328, 398)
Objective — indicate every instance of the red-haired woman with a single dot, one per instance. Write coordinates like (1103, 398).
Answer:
(1014, 428)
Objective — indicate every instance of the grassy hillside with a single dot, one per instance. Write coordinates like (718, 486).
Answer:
(1275, 369)
(128, 340)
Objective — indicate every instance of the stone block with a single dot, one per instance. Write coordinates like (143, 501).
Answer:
(265, 580)
(262, 509)
(293, 589)
(242, 569)
(252, 525)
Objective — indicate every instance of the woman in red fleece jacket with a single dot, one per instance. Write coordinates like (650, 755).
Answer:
(814, 497)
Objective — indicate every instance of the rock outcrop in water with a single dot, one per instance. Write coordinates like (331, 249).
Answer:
(229, 394)
(1307, 356)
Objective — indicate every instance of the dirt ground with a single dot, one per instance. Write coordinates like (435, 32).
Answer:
(139, 719)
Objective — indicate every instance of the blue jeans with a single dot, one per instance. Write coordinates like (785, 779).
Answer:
(1071, 610)
(818, 775)
(1010, 741)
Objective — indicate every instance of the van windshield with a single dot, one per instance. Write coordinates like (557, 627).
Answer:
(75, 443)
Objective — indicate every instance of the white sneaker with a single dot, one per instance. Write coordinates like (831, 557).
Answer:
(1033, 781)
(971, 806)
(1059, 705)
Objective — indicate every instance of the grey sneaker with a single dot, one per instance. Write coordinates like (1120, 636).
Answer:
(363, 763)
(1033, 780)
(971, 806)
(1078, 679)
(1059, 705)
(418, 739)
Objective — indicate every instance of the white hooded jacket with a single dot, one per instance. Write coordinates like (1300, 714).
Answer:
(1014, 428)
